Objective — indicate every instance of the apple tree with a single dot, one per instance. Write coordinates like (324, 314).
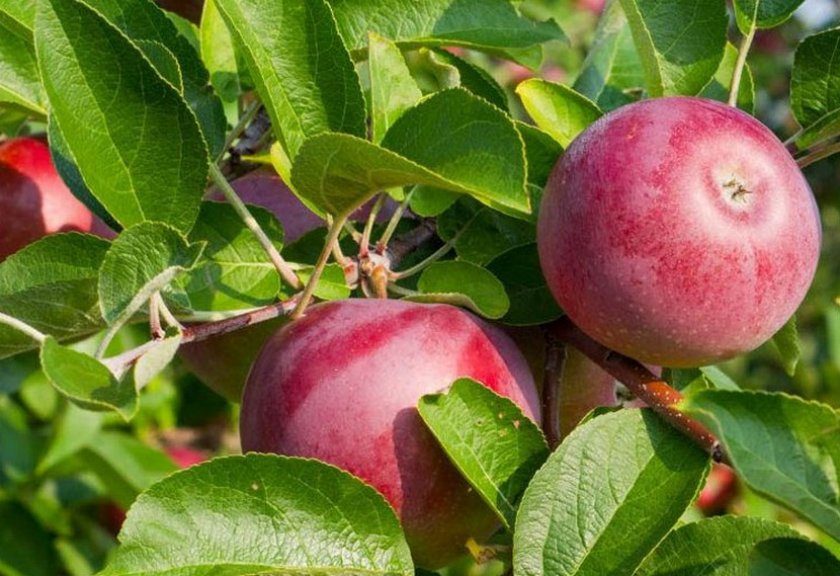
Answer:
(434, 287)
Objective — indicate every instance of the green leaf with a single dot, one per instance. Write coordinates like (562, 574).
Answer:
(125, 465)
(235, 271)
(541, 152)
(451, 140)
(495, 447)
(681, 43)
(302, 70)
(463, 284)
(117, 120)
(480, 234)
(557, 109)
(798, 468)
(786, 343)
(763, 13)
(490, 25)
(606, 497)
(427, 201)
(331, 285)
(19, 17)
(143, 260)
(19, 446)
(815, 87)
(531, 301)
(280, 515)
(792, 557)
(475, 79)
(20, 82)
(613, 68)
(718, 88)
(392, 89)
(87, 382)
(25, 546)
(52, 286)
(155, 360)
(716, 546)
(74, 428)
(219, 54)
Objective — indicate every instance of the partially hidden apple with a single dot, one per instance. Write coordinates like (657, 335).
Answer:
(678, 231)
(34, 201)
(342, 384)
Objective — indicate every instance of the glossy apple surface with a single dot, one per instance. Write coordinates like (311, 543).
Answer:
(678, 231)
(342, 384)
(34, 201)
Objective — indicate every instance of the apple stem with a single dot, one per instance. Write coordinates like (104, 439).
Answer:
(818, 154)
(286, 273)
(382, 244)
(642, 383)
(364, 242)
(555, 358)
(33, 333)
(332, 238)
(740, 64)
(167, 315)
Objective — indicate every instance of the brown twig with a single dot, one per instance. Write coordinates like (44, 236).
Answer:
(404, 244)
(643, 383)
(555, 358)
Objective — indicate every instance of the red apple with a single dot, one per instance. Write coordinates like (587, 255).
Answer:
(678, 231)
(342, 384)
(720, 488)
(34, 201)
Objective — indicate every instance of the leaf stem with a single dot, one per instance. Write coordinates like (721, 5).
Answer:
(167, 315)
(283, 268)
(433, 257)
(645, 385)
(740, 64)
(382, 244)
(309, 289)
(20, 326)
(817, 155)
(364, 243)
(244, 120)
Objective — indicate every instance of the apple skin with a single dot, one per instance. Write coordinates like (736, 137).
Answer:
(720, 489)
(34, 201)
(678, 231)
(342, 384)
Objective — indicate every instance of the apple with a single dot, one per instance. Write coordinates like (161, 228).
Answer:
(34, 201)
(342, 384)
(678, 231)
(720, 489)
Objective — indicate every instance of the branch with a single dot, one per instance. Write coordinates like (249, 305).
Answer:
(645, 385)
(739, 66)
(818, 154)
(555, 358)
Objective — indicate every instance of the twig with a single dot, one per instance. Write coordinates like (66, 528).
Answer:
(309, 290)
(739, 66)
(555, 358)
(645, 385)
(406, 243)
(433, 257)
(286, 273)
(33, 333)
(817, 155)
(382, 243)
(240, 127)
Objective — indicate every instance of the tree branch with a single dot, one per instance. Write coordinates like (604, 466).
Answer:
(555, 358)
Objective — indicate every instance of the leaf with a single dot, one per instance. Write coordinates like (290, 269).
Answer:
(451, 140)
(301, 68)
(19, 446)
(74, 428)
(606, 497)
(613, 68)
(798, 468)
(463, 284)
(331, 285)
(25, 546)
(125, 465)
(557, 109)
(786, 343)
(143, 260)
(815, 87)
(792, 556)
(531, 301)
(259, 514)
(392, 89)
(51, 285)
(155, 360)
(20, 83)
(475, 79)
(19, 17)
(763, 13)
(219, 54)
(480, 234)
(718, 88)
(681, 43)
(234, 271)
(541, 152)
(87, 382)
(495, 447)
(490, 25)
(721, 545)
(117, 120)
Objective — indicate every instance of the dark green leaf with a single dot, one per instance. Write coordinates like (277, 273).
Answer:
(786, 343)
(480, 234)
(463, 284)
(25, 546)
(302, 70)
(541, 151)
(763, 13)
(815, 87)
(798, 468)
(531, 302)
(792, 557)
(87, 382)
(489, 440)
(606, 497)
(261, 514)
(118, 119)
(475, 79)
(680, 42)
(19, 447)
(20, 83)
(557, 109)
(52, 286)
(392, 89)
(74, 428)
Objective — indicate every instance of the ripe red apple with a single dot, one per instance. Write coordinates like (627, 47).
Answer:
(678, 231)
(34, 201)
(718, 492)
(342, 384)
